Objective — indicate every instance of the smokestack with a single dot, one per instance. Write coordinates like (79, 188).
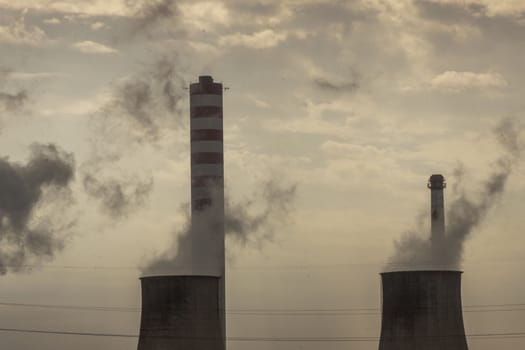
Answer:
(187, 311)
(180, 312)
(207, 169)
(422, 311)
(437, 184)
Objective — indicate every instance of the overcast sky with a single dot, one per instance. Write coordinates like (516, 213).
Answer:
(356, 103)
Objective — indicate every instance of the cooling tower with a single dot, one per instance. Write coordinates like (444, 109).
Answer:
(181, 313)
(422, 311)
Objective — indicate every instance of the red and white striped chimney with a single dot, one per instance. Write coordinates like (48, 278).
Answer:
(207, 176)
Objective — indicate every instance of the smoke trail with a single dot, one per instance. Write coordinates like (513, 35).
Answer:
(149, 15)
(140, 110)
(13, 102)
(345, 86)
(464, 214)
(24, 236)
(240, 224)
(118, 198)
(145, 103)
(10, 102)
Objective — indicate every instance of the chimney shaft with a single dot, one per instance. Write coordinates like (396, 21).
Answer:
(437, 184)
(422, 311)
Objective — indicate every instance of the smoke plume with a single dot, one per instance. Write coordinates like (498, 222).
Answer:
(13, 102)
(141, 109)
(24, 235)
(243, 226)
(149, 15)
(118, 198)
(464, 214)
(10, 102)
(333, 86)
(241, 223)
(145, 103)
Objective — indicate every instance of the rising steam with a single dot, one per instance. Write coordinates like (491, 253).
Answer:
(26, 237)
(464, 214)
(241, 224)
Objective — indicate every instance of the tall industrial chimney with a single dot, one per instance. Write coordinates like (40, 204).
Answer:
(422, 311)
(437, 184)
(186, 312)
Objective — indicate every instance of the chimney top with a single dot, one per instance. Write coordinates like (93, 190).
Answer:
(205, 79)
(436, 181)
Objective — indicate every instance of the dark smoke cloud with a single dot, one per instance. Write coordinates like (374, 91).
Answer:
(464, 214)
(149, 15)
(23, 236)
(118, 197)
(335, 86)
(10, 102)
(241, 224)
(146, 103)
(13, 102)
(141, 110)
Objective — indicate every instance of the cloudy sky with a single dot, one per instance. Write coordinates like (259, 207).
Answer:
(355, 103)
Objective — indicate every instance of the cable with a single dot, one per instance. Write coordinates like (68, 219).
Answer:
(273, 312)
(510, 335)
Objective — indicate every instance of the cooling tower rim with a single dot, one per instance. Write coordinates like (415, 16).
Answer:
(179, 277)
(421, 271)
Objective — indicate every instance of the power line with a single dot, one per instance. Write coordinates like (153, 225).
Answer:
(509, 335)
(274, 312)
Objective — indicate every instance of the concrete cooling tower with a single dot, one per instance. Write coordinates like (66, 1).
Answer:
(181, 313)
(422, 311)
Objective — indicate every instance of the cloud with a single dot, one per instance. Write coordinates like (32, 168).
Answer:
(460, 81)
(17, 32)
(512, 8)
(259, 40)
(24, 235)
(98, 25)
(205, 15)
(92, 47)
(91, 7)
(52, 20)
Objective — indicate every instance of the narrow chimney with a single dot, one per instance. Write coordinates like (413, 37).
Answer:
(437, 184)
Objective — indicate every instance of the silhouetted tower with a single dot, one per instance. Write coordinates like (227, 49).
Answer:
(422, 311)
(437, 184)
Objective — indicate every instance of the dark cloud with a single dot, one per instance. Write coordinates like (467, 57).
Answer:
(242, 223)
(22, 236)
(336, 86)
(464, 215)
